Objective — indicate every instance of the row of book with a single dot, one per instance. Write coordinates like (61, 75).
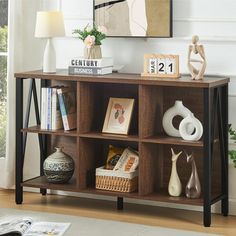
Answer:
(58, 108)
(78, 66)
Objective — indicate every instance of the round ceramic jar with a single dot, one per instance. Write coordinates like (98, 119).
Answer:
(58, 167)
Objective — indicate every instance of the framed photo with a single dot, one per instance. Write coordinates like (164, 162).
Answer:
(161, 66)
(118, 115)
(134, 18)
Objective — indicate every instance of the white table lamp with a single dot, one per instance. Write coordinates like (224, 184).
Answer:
(49, 24)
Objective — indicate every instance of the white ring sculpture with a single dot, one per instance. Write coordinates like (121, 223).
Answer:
(183, 128)
(177, 110)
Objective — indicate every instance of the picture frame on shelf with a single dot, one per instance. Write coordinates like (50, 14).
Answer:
(118, 115)
(161, 66)
(128, 18)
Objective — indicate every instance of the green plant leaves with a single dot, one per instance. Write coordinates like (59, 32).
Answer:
(232, 153)
(82, 34)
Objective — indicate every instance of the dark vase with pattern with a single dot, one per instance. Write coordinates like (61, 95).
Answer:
(58, 167)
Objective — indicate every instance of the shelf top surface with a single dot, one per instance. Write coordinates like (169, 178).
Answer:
(184, 81)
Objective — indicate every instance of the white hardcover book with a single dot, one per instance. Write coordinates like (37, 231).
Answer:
(56, 113)
(43, 108)
(81, 62)
(89, 71)
(49, 108)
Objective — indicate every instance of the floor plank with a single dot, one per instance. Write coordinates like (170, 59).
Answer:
(132, 213)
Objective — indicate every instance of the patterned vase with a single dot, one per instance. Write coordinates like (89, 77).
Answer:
(58, 167)
(94, 52)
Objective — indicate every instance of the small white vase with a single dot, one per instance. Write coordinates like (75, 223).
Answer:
(183, 128)
(175, 186)
(177, 110)
(94, 52)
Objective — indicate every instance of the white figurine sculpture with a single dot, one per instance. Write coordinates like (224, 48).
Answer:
(197, 49)
(175, 186)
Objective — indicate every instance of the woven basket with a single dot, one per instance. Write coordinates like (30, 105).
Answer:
(116, 181)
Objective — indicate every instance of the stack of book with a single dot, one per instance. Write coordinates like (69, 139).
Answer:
(80, 66)
(58, 108)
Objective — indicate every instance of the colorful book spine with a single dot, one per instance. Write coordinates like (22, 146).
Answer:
(67, 103)
(56, 114)
(89, 71)
(49, 108)
(43, 124)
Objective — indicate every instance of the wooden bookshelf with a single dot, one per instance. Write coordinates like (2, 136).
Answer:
(153, 96)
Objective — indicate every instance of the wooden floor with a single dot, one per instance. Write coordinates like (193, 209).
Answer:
(140, 214)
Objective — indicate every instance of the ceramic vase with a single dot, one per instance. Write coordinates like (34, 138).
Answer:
(58, 167)
(94, 52)
(177, 110)
(193, 187)
(175, 186)
(194, 122)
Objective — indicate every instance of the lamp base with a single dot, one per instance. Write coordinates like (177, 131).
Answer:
(49, 58)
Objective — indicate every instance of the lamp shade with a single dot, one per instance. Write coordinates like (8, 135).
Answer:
(49, 24)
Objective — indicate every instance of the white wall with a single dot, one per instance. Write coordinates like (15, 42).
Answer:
(213, 20)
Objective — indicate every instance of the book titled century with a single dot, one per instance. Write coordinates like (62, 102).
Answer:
(81, 62)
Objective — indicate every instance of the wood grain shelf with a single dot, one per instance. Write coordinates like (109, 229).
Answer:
(38, 130)
(41, 182)
(98, 135)
(163, 139)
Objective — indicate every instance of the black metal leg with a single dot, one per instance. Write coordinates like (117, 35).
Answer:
(120, 203)
(27, 115)
(19, 141)
(225, 188)
(40, 136)
(207, 158)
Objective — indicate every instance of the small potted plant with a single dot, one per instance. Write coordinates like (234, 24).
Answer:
(232, 153)
(92, 37)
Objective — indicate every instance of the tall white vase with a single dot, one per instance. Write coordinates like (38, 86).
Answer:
(177, 110)
(175, 186)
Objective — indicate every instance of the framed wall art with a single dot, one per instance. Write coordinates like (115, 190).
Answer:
(134, 18)
(118, 115)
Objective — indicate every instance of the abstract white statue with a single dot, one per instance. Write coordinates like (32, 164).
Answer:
(175, 186)
(196, 73)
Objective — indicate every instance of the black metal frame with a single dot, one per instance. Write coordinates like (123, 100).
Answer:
(215, 108)
(21, 138)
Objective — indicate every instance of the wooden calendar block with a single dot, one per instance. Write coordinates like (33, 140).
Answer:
(163, 66)
(152, 66)
(170, 66)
